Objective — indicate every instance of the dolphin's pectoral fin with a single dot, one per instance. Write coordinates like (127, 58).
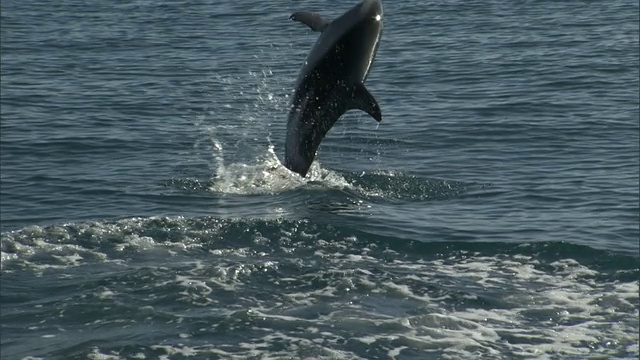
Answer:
(362, 99)
(312, 20)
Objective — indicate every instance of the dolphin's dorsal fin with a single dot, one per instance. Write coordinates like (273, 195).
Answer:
(362, 99)
(312, 20)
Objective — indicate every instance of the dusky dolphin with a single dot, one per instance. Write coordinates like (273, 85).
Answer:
(331, 81)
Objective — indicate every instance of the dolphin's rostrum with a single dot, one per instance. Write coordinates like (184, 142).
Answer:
(331, 81)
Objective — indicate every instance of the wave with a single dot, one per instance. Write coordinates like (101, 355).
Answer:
(237, 288)
(81, 243)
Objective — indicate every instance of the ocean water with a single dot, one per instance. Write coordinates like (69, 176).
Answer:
(493, 213)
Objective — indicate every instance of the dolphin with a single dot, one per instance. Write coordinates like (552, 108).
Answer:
(331, 81)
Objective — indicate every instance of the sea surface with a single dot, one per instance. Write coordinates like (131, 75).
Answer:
(492, 214)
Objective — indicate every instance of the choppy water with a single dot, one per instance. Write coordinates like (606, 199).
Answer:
(492, 214)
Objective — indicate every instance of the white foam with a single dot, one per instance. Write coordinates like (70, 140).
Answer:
(428, 328)
(97, 355)
(180, 349)
(460, 307)
(268, 176)
(105, 294)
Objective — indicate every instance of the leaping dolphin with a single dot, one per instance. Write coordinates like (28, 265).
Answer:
(331, 81)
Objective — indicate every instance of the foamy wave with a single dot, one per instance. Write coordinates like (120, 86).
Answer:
(281, 289)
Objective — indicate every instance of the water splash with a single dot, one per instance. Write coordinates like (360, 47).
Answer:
(240, 136)
(267, 175)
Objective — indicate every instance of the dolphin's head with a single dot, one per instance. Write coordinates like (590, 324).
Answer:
(351, 39)
(365, 34)
(374, 11)
(371, 9)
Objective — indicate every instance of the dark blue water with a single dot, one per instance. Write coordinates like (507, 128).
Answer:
(493, 213)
